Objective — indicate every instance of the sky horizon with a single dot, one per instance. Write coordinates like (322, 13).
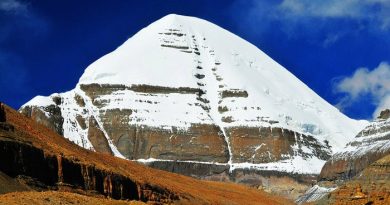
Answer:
(340, 49)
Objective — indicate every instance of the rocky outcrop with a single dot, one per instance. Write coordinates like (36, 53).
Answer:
(97, 137)
(50, 115)
(36, 158)
(315, 193)
(370, 187)
(265, 144)
(2, 113)
(205, 147)
(57, 172)
(42, 171)
(360, 172)
(284, 184)
(371, 144)
(385, 114)
(347, 168)
(198, 142)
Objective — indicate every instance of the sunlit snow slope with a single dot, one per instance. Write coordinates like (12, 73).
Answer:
(183, 71)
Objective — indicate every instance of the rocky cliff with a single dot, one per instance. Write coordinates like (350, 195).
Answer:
(34, 158)
(371, 144)
(371, 186)
(177, 92)
(359, 174)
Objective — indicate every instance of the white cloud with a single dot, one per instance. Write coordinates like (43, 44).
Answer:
(375, 12)
(12, 6)
(366, 83)
(331, 8)
(321, 22)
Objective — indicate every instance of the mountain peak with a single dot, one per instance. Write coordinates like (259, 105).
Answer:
(176, 18)
(185, 81)
(154, 47)
(181, 20)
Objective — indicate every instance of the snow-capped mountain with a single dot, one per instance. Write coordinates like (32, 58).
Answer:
(184, 89)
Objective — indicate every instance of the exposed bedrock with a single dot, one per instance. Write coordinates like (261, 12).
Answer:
(266, 144)
(40, 171)
(285, 184)
(360, 172)
(346, 168)
(206, 143)
(2, 114)
(50, 116)
(135, 131)
(371, 144)
(199, 142)
(97, 137)
(371, 186)
(203, 142)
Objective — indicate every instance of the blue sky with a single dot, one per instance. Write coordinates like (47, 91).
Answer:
(340, 49)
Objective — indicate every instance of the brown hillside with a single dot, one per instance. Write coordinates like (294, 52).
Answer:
(46, 161)
(58, 198)
(371, 186)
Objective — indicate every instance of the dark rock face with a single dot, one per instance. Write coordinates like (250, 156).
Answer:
(19, 159)
(97, 138)
(203, 142)
(41, 171)
(265, 144)
(2, 113)
(346, 169)
(371, 186)
(200, 142)
(81, 121)
(385, 114)
(54, 121)
(79, 100)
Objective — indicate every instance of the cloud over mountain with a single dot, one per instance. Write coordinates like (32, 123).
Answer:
(365, 83)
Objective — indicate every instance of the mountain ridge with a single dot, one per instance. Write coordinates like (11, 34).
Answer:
(185, 90)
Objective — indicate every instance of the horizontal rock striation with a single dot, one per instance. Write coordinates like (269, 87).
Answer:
(371, 186)
(265, 144)
(359, 172)
(202, 142)
(33, 157)
(371, 144)
(176, 91)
